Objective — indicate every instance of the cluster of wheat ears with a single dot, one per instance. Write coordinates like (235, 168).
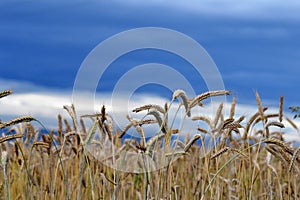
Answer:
(251, 159)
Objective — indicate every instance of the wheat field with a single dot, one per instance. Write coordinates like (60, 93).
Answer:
(251, 159)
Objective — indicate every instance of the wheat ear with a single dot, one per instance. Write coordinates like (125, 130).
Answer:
(250, 121)
(191, 142)
(5, 93)
(279, 143)
(182, 95)
(158, 118)
(16, 121)
(280, 108)
(232, 109)
(202, 130)
(205, 119)
(207, 95)
(148, 107)
(152, 141)
(220, 152)
(295, 155)
(274, 123)
(259, 104)
(292, 123)
(218, 115)
(9, 137)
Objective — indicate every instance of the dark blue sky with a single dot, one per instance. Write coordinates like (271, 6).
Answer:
(255, 46)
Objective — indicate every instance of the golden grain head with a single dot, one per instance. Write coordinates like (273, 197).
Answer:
(280, 108)
(16, 121)
(5, 93)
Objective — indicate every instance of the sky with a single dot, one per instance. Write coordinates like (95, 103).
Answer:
(254, 44)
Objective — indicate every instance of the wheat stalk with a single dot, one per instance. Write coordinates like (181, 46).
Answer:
(4, 160)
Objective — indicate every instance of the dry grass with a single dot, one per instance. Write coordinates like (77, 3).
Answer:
(251, 160)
